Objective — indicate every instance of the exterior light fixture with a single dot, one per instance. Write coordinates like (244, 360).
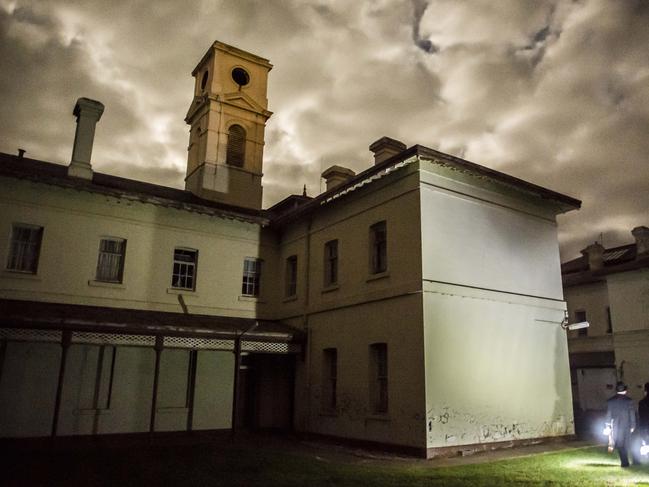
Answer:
(573, 326)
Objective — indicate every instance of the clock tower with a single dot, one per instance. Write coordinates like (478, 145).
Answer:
(227, 118)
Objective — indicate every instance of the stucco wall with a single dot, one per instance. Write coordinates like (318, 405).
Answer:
(351, 330)
(496, 369)
(74, 221)
(496, 358)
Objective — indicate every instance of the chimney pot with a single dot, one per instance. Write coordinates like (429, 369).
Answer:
(21, 153)
(641, 235)
(594, 253)
(88, 113)
(385, 147)
(337, 175)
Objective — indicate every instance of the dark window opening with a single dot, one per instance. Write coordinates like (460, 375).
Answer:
(291, 276)
(24, 248)
(240, 76)
(331, 263)
(251, 277)
(378, 248)
(579, 317)
(379, 378)
(329, 378)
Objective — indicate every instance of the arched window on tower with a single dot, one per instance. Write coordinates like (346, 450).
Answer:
(236, 154)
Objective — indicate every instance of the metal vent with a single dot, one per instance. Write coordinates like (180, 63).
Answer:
(198, 343)
(269, 347)
(236, 146)
(113, 339)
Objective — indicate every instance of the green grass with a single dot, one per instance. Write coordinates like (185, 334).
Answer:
(219, 465)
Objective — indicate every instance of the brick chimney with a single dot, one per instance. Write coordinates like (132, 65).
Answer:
(337, 175)
(594, 254)
(88, 113)
(385, 147)
(641, 235)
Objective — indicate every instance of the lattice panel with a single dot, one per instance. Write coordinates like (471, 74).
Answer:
(23, 335)
(269, 347)
(198, 343)
(113, 339)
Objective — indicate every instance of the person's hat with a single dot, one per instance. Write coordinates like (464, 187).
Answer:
(620, 387)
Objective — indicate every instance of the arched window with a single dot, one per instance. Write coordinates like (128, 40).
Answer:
(236, 146)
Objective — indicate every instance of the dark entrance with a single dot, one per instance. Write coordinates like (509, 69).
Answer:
(266, 391)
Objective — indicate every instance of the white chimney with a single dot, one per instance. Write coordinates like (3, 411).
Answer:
(385, 147)
(88, 113)
(594, 253)
(641, 235)
(337, 175)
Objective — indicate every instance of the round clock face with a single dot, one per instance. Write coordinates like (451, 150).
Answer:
(240, 76)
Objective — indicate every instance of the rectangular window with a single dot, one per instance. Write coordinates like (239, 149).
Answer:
(329, 378)
(184, 271)
(291, 276)
(579, 317)
(251, 277)
(378, 248)
(24, 248)
(379, 378)
(110, 264)
(609, 322)
(331, 263)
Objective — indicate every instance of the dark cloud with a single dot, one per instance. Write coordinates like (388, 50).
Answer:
(555, 92)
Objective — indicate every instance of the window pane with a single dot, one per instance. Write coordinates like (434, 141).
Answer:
(110, 262)
(24, 248)
(184, 269)
(251, 277)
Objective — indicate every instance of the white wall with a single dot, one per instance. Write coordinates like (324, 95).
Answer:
(496, 358)
(30, 374)
(74, 222)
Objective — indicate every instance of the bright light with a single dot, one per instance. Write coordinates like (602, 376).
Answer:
(607, 431)
(577, 326)
(644, 449)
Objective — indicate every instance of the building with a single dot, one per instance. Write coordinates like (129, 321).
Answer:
(609, 288)
(416, 304)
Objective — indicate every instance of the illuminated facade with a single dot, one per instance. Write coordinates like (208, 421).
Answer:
(609, 288)
(416, 304)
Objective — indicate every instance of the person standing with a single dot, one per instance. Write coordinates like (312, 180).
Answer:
(620, 418)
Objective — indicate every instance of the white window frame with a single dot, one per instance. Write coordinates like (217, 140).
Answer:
(184, 270)
(251, 281)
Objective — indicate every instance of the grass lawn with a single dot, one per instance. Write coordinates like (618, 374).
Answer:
(209, 464)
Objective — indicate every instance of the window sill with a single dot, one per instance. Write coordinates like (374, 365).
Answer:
(107, 284)
(379, 417)
(330, 287)
(10, 274)
(184, 292)
(250, 299)
(289, 299)
(377, 276)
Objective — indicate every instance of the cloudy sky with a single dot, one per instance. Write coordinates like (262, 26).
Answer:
(554, 92)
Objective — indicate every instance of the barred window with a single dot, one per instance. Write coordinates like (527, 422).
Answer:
(378, 248)
(110, 264)
(331, 263)
(184, 271)
(251, 277)
(291, 276)
(329, 378)
(236, 154)
(379, 377)
(24, 248)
